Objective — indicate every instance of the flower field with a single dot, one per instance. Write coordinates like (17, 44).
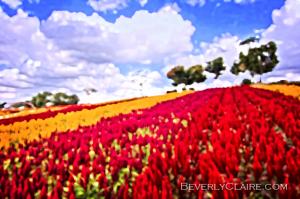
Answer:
(237, 135)
(291, 90)
(16, 112)
(33, 124)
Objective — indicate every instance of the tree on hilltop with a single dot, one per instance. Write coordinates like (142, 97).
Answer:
(215, 66)
(45, 98)
(180, 75)
(258, 61)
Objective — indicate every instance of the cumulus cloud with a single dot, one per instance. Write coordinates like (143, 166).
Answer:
(73, 51)
(143, 2)
(134, 39)
(112, 5)
(226, 46)
(118, 86)
(105, 5)
(12, 3)
(285, 32)
(171, 7)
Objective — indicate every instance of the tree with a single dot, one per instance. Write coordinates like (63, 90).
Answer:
(215, 66)
(45, 98)
(25, 104)
(187, 77)
(246, 82)
(2, 104)
(64, 99)
(258, 61)
(249, 40)
(41, 99)
(178, 75)
(195, 74)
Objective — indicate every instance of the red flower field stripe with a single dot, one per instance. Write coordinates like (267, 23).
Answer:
(233, 135)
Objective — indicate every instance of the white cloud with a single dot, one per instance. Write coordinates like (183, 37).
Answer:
(196, 2)
(112, 5)
(244, 1)
(226, 46)
(283, 76)
(72, 51)
(203, 2)
(136, 39)
(115, 5)
(12, 3)
(286, 33)
(20, 39)
(118, 86)
(171, 7)
(105, 5)
(34, 1)
(241, 1)
(143, 2)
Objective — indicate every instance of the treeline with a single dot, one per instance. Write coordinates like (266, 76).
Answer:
(258, 61)
(50, 99)
(44, 99)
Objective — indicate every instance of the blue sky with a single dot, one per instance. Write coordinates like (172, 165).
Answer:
(210, 20)
(114, 45)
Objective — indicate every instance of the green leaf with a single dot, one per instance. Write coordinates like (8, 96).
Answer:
(184, 123)
(6, 164)
(116, 187)
(92, 154)
(79, 191)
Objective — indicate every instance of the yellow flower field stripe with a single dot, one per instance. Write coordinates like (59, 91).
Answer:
(291, 90)
(28, 111)
(17, 112)
(30, 130)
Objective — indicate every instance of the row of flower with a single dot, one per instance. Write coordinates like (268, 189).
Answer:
(53, 111)
(291, 90)
(236, 135)
(33, 126)
(18, 112)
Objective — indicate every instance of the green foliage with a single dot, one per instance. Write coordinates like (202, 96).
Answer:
(195, 74)
(258, 61)
(177, 74)
(64, 99)
(22, 104)
(216, 66)
(2, 104)
(286, 82)
(249, 40)
(246, 82)
(42, 99)
(93, 190)
(181, 76)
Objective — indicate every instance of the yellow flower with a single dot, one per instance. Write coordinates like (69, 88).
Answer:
(72, 120)
(291, 90)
